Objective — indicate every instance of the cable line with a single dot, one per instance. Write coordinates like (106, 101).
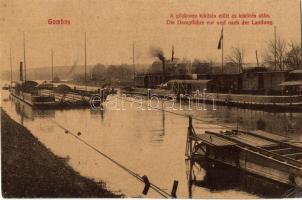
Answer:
(153, 186)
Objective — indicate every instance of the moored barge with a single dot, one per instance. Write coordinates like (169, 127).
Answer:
(50, 97)
(29, 93)
(264, 154)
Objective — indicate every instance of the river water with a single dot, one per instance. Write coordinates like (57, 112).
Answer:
(148, 141)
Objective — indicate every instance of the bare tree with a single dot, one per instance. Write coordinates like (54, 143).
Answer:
(237, 58)
(294, 56)
(275, 54)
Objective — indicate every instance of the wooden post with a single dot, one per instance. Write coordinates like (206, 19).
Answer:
(147, 185)
(189, 140)
(102, 95)
(190, 178)
(149, 93)
(174, 189)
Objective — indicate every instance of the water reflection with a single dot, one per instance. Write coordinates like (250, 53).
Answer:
(97, 113)
(148, 142)
(26, 112)
(218, 177)
(286, 124)
(159, 132)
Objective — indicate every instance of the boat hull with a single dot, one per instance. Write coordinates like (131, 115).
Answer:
(264, 102)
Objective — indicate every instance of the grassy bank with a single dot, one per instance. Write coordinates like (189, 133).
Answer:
(29, 169)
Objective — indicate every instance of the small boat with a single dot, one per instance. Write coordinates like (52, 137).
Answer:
(6, 87)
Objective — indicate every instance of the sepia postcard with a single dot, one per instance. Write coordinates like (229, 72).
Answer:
(151, 99)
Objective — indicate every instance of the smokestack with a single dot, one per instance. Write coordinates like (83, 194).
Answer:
(164, 70)
(158, 53)
(172, 57)
(21, 71)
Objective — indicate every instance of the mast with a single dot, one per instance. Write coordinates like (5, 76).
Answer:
(11, 67)
(275, 47)
(133, 60)
(257, 58)
(301, 23)
(222, 44)
(85, 65)
(24, 57)
(51, 64)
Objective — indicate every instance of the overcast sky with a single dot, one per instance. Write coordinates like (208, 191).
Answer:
(112, 27)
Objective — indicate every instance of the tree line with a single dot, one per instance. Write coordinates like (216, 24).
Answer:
(278, 55)
(100, 72)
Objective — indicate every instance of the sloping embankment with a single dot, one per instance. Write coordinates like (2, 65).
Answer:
(29, 169)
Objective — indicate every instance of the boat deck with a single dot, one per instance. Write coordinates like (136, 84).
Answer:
(266, 144)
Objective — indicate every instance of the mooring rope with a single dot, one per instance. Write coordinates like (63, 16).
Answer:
(152, 185)
(138, 177)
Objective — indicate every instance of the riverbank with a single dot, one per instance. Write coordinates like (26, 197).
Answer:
(29, 169)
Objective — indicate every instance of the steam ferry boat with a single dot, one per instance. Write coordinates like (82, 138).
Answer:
(255, 88)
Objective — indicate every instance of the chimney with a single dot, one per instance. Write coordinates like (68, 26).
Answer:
(172, 57)
(164, 70)
(21, 71)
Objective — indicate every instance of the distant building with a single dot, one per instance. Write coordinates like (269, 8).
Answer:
(263, 81)
(293, 83)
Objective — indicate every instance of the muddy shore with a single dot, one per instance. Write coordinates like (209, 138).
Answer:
(29, 169)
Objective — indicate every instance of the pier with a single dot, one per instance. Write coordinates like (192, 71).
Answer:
(270, 156)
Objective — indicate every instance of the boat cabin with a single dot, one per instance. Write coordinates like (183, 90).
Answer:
(293, 84)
